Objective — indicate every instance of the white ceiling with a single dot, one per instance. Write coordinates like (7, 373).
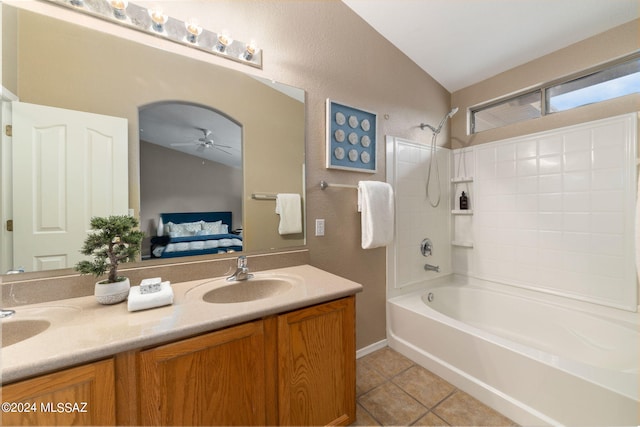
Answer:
(182, 126)
(462, 42)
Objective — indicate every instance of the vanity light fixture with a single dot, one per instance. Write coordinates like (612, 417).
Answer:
(119, 8)
(155, 22)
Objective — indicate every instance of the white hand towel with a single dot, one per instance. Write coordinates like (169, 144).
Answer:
(138, 301)
(375, 202)
(289, 207)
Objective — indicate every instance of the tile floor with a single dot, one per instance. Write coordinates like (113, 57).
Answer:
(391, 390)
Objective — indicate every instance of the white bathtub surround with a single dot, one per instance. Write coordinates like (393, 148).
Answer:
(416, 219)
(555, 212)
(531, 358)
(547, 331)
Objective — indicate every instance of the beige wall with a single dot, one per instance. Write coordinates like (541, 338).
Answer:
(324, 48)
(604, 47)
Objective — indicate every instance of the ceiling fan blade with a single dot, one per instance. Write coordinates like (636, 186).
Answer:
(182, 144)
(220, 145)
(224, 151)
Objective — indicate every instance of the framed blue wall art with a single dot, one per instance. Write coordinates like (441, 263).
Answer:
(351, 138)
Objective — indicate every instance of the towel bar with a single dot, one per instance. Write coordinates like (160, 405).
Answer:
(325, 184)
(263, 196)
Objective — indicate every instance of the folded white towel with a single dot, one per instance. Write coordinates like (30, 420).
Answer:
(289, 207)
(138, 301)
(375, 202)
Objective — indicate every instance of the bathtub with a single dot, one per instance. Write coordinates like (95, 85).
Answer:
(534, 358)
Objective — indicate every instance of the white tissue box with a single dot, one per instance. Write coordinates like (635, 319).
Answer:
(149, 286)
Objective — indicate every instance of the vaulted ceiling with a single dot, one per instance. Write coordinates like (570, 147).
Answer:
(462, 42)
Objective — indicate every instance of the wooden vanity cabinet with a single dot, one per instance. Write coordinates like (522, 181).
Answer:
(213, 379)
(296, 368)
(316, 365)
(84, 395)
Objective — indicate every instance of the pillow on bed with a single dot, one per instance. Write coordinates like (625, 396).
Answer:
(212, 227)
(183, 229)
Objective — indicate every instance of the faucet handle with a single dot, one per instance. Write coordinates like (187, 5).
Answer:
(242, 261)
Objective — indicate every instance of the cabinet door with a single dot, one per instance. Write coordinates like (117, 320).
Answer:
(213, 379)
(316, 365)
(78, 396)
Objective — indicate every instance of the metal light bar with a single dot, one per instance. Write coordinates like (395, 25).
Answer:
(138, 18)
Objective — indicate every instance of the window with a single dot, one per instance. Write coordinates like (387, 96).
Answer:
(610, 83)
(512, 110)
(607, 82)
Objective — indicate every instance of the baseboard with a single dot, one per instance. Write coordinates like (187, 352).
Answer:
(371, 348)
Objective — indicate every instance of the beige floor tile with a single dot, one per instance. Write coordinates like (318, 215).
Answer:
(367, 376)
(462, 409)
(426, 387)
(388, 362)
(391, 406)
(363, 418)
(430, 419)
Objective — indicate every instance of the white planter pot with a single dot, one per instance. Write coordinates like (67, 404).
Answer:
(112, 293)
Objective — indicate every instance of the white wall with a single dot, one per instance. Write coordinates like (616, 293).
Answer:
(554, 211)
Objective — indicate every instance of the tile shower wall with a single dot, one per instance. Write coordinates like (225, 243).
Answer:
(416, 219)
(554, 211)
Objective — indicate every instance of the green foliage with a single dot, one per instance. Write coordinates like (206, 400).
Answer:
(114, 240)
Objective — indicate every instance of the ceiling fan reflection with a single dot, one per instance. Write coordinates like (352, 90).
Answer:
(204, 143)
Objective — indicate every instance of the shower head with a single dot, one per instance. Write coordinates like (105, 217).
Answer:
(450, 114)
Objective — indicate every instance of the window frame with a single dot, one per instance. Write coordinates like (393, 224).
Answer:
(544, 90)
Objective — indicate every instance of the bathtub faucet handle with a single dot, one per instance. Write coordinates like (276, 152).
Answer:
(426, 247)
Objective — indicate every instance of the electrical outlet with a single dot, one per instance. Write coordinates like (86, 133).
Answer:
(319, 227)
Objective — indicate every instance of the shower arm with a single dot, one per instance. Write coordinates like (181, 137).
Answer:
(442, 122)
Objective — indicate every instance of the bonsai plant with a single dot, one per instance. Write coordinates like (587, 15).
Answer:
(114, 240)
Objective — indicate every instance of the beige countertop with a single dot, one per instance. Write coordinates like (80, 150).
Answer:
(82, 330)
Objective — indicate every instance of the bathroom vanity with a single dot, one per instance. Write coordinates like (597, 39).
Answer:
(287, 359)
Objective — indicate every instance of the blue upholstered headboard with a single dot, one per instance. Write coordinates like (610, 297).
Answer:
(181, 217)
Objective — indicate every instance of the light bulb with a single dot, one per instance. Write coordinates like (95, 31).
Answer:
(224, 40)
(119, 8)
(193, 30)
(250, 50)
(158, 19)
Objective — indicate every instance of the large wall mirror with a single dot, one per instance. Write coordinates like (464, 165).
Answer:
(199, 137)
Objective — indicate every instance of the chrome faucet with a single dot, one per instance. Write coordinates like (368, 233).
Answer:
(6, 313)
(242, 272)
